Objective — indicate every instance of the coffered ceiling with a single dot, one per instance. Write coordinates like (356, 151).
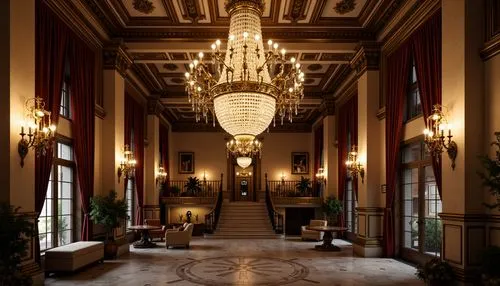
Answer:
(163, 36)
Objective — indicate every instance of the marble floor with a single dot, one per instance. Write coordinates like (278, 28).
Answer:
(266, 262)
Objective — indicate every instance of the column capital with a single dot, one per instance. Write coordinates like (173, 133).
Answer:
(367, 57)
(154, 106)
(327, 106)
(116, 58)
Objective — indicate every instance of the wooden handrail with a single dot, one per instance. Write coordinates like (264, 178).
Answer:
(212, 218)
(275, 217)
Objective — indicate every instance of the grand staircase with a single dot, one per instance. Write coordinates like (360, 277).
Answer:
(244, 220)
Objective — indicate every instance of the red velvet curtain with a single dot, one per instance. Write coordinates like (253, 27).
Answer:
(139, 156)
(83, 122)
(51, 41)
(426, 44)
(398, 64)
(134, 124)
(164, 147)
(347, 125)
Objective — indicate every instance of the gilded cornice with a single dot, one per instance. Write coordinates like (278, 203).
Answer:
(116, 58)
(154, 106)
(367, 57)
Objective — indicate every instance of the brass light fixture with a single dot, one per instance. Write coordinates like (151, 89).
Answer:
(41, 131)
(127, 165)
(435, 139)
(244, 84)
(354, 166)
(244, 148)
(320, 175)
(161, 175)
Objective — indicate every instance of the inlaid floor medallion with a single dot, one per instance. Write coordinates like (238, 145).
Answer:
(238, 270)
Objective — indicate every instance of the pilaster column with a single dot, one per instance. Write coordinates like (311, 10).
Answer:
(152, 152)
(116, 62)
(465, 230)
(330, 153)
(369, 211)
(17, 84)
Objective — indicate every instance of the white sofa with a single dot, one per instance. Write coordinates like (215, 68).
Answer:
(73, 256)
(312, 234)
(176, 237)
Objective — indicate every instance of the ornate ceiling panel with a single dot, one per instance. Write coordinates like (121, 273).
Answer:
(163, 36)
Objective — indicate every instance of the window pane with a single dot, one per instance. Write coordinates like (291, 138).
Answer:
(64, 151)
(412, 153)
(64, 237)
(65, 174)
(65, 190)
(65, 206)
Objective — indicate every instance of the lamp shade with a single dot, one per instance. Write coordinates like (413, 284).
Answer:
(244, 162)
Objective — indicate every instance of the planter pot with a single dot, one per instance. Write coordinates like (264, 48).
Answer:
(110, 250)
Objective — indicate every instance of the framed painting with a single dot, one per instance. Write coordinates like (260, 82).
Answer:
(186, 162)
(300, 163)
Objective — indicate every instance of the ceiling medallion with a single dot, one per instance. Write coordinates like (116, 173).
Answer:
(144, 6)
(245, 85)
(345, 6)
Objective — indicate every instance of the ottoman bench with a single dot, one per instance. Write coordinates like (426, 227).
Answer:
(73, 256)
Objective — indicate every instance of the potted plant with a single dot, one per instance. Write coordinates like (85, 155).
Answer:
(331, 208)
(490, 268)
(303, 186)
(436, 273)
(175, 190)
(193, 186)
(491, 174)
(109, 212)
(16, 228)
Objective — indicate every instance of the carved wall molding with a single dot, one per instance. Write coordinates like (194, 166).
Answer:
(143, 6)
(327, 106)
(298, 201)
(116, 58)
(172, 201)
(367, 57)
(154, 106)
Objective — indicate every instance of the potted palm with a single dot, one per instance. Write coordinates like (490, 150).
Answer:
(303, 186)
(15, 228)
(491, 174)
(193, 186)
(436, 273)
(331, 208)
(109, 212)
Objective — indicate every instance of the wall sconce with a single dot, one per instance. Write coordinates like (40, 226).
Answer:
(434, 134)
(161, 175)
(353, 164)
(283, 177)
(127, 165)
(320, 175)
(41, 131)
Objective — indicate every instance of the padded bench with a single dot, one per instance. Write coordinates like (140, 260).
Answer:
(73, 256)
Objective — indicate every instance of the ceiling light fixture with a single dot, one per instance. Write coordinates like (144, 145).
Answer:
(244, 149)
(245, 85)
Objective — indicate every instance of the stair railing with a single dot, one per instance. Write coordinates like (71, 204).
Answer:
(275, 217)
(212, 218)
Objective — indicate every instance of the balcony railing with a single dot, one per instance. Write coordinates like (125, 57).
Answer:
(280, 189)
(177, 188)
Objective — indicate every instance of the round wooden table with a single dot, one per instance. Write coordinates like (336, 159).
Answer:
(328, 237)
(145, 241)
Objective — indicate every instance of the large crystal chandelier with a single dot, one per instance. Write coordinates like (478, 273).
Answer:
(244, 150)
(245, 85)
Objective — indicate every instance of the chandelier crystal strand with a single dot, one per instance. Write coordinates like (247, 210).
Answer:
(248, 84)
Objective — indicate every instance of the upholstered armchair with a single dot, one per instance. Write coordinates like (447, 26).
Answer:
(160, 233)
(178, 237)
(312, 234)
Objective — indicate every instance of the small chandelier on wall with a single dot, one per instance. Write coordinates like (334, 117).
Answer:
(438, 135)
(244, 148)
(354, 166)
(40, 130)
(161, 175)
(127, 165)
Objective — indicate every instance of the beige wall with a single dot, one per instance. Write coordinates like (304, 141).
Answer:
(209, 154)
(492, 110)
(98, 157)
(277, 154)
